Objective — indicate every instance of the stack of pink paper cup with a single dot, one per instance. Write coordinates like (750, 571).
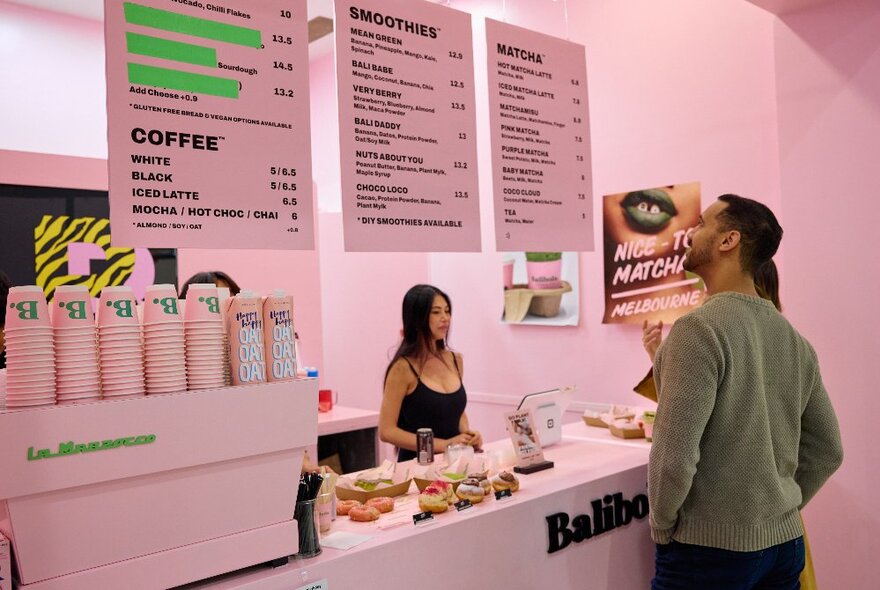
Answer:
(2, 390)
(30, 351)
(119, 344)
(76, 346)
(205, 354)
(164, 356)
(224, 297)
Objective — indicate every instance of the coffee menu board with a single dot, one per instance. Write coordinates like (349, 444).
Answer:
(208, 124)
(540, 141)
(407, 127)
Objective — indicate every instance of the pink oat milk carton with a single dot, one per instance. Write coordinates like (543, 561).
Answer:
(279, 337)
(246, 353)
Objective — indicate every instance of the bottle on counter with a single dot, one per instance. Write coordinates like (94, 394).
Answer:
(279, 336)
(424, 446)
(246, 352)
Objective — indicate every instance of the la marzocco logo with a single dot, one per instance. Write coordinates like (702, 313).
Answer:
(609, 513)
(71, 448)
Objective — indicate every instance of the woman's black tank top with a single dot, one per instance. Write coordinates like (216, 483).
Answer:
(426, 408)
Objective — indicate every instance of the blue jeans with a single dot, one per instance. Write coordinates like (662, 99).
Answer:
(683, 566)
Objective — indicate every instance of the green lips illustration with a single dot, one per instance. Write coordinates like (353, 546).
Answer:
(648, 211)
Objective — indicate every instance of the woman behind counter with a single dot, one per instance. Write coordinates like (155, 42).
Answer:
(423, 381)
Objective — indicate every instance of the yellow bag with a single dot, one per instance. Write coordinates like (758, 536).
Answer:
(808, 576)
(647, 387)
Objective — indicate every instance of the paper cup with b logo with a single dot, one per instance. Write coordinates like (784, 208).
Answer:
(117, 307)
(160, 305)
(72, 307)
(202, 304)
(26, 307)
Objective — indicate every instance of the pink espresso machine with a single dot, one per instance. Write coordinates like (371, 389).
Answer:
(155, 491)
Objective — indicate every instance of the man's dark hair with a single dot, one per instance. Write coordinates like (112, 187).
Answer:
(5, 283)
(760, 233)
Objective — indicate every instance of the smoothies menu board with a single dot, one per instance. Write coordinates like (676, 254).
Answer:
(208, 124)
(540, 141)
(407, 126)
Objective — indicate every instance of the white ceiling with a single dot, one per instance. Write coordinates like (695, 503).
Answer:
(90, 9)
(94, 9)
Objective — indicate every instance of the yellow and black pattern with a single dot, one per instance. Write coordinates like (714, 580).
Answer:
(51, 238)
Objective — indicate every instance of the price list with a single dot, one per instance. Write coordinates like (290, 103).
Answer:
(407, 127)
(208, 124)
(540, 141)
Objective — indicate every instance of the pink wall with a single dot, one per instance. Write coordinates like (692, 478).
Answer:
(828, 77)
(30, 169)
(361, 295)
(679, 91)
(52, 72)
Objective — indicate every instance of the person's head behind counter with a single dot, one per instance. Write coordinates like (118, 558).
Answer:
(213, 277)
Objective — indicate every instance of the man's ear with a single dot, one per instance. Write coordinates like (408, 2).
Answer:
(730, 241)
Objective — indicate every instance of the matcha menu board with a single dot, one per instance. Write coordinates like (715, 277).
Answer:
(540, 141)
(208, 124)
(407, 127)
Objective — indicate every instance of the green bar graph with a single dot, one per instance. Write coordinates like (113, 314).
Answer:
(185, 81)
(171, 50)
(165, 20)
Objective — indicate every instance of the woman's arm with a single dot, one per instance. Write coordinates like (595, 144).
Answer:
(399, 383)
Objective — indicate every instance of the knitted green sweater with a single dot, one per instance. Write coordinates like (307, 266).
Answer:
(745, 434)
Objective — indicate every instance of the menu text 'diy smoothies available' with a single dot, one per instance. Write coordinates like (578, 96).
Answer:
(540, 141)
(407, 127)
(208, 124)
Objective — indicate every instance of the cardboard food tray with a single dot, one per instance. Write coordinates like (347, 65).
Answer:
(423, 483)
(362, 495)
(520, 300)
(590, 421)
(627, 432)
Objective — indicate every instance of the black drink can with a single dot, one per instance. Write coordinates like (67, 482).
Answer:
(424, 446)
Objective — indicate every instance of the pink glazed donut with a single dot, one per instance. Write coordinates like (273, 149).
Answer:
(382, 503)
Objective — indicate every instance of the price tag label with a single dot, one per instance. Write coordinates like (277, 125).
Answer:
(463, 505)
(503, 494)
(422, 518)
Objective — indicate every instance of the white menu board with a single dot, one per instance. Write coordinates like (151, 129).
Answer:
(208, 124)
(407, 127)
(540, 141)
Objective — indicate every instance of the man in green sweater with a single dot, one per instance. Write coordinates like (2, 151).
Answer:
(745, 434)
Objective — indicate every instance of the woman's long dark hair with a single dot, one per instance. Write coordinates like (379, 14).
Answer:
(416, 342)
(767, 283)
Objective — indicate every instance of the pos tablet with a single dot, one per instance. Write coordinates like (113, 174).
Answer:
(547, 408)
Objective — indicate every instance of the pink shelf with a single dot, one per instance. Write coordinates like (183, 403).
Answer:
(223, 462)
(345, 419)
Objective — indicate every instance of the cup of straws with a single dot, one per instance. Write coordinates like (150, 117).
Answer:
(306, 515)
